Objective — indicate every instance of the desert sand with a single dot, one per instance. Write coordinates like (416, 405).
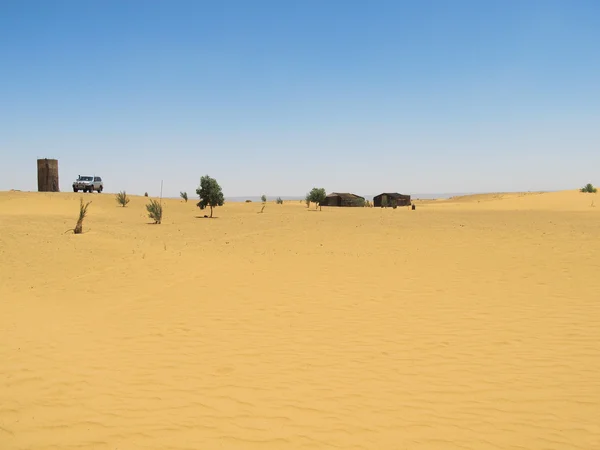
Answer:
(471, 323)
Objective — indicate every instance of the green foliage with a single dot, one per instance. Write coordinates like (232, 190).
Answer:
(155, 211)
(359, 202)
(82, 213)
(589, 188)
(122, 198)
(210, 194)
(184, 196)
(279, 201)
(317, 195)
(263, 198)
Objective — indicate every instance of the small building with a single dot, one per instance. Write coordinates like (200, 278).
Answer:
(47, 172)
(389, 198)
(343, 199)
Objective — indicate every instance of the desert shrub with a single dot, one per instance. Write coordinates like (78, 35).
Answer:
(122, 198)
(82, 213)
(210, 194)
(317, 196)
(279, 201)
(589, 188)
(184, 196)
(145, 194)
(263, 198)
(248, 201)
(155, 211)
(368, 204)
(359, 202)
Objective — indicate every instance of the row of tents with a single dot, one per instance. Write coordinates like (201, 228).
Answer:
(383, 199)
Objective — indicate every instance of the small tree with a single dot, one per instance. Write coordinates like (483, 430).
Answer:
(184, 196)
(589, 188)
(155, 211)
(210, 194)
(122, 198)
(279, 201)
(317, 195)
(263, 198)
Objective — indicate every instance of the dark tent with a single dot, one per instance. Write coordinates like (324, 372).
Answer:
(390, 198)
(343, 199)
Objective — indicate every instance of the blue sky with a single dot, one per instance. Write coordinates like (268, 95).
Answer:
(276, 97)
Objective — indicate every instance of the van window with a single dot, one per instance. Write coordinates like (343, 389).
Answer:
(97, 179)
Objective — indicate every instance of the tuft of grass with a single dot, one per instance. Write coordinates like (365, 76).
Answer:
(122, 198)
(82, 213)
(279, 201)
(184, 196)
(589, 189)
(155, 211)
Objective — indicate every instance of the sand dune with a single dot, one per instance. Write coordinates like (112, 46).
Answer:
(470, 323)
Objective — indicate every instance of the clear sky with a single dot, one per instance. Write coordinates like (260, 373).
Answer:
(279, 96)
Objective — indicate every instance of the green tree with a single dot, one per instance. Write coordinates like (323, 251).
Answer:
(263, 198)
(589, 188)
(210, 194)
(317, 195)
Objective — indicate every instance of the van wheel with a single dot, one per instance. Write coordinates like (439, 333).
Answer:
(75, 190)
